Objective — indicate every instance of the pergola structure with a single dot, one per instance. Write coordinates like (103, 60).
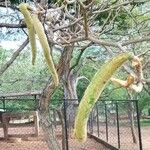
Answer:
(18, 96)
(6, 115)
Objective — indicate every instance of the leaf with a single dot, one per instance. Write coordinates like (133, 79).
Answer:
(29, 22)
(93, 92)
(46, 49)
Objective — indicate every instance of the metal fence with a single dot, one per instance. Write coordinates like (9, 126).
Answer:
(21, 132)
(114, 123)
(18, 104)
(117, 123)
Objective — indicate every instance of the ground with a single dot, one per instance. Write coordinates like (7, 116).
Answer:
(38, 143)
(126, 141)
(146, 138)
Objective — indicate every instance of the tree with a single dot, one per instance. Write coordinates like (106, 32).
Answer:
(70, 26)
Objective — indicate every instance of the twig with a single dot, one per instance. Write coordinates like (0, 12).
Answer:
(79, 57)
(14, 56)
(8, 25)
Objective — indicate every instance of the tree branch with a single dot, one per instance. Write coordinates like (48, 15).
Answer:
(14, 56)
(113, 44)
(7, 25)
(79, 57)
(115, 7)
(134, 41)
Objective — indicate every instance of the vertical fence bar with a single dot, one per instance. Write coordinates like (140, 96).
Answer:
(138, 124)
(4, 104)
(35, 103)
(106, 120)
(38, 103)
(92, 121)
(66, 130)
(118, 128)
(54, 118)
(97, 119)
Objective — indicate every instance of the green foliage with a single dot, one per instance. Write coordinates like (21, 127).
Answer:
(58, 95)
(144, 103)
(121, 20)
(145, 122)
(3, 56)
(101, 18)
(22, 105)
(82, 85)
(17, 1)
(114, 93)
(18, 105)
(138, 3)
(21, 75)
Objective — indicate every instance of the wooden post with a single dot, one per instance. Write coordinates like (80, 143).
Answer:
(5, 121)
(6, 118)
(36, 123)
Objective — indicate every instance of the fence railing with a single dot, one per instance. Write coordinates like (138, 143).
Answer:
(116, 122)
(18, 104)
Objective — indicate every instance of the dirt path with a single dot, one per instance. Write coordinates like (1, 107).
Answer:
(146, 137)
(38, 143)
(126, 141)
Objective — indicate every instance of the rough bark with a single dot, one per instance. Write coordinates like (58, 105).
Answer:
(70, 93)
(71, 96)
(47, 127)
(45, 99)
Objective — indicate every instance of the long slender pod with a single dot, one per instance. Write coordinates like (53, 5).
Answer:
(93, 92)
(28, 20)
(46, 49)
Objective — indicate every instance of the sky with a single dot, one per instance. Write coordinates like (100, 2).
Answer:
(7, 42)
(10, 44)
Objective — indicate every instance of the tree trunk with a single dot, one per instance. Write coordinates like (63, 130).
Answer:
(71, 94)
(47, 127)
(45, 97)
(70, 87)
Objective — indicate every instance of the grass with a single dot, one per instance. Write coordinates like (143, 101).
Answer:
(145, 122)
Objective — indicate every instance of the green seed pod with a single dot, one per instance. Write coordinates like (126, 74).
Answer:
(93, 92)
(46, 49)
(23, 7)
